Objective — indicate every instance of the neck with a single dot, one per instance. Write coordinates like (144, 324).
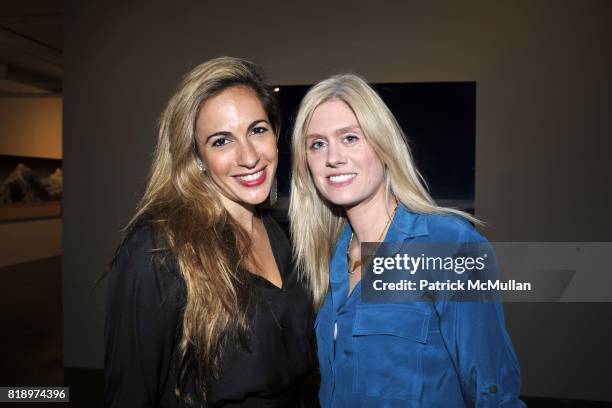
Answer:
(243, 214)
(370, 218)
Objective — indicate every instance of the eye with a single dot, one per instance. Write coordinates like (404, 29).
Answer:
(351, 139)
(220, 142)
(316, 145)
(259, 130)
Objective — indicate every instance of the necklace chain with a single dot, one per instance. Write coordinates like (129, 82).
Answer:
(352, 266)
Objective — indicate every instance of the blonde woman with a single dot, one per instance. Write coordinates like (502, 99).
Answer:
(354, 181)
(204, 306)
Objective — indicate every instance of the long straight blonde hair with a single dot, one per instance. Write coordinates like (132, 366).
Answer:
(183, 207)
(315, 222)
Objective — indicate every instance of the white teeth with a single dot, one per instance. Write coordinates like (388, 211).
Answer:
(251, 177)
(341, 178)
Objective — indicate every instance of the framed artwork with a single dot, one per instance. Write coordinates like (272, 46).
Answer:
(30, 188)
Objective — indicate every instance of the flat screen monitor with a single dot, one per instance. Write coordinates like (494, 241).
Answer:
(439, 121)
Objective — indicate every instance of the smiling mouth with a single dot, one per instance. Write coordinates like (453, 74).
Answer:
(253, 179)
(341, 178)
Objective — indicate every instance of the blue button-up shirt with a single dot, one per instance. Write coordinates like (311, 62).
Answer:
(416, 354)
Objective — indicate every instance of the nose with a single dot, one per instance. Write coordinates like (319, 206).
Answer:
(248, 156)
(335, 156)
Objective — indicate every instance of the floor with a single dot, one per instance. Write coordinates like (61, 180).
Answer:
(31, 352)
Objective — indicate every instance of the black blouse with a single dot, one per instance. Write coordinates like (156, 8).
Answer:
(143, 327)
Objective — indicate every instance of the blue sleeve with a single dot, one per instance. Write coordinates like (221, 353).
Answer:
(482, 353)
(479, 345)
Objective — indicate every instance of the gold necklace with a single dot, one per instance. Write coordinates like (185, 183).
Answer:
(354, 265)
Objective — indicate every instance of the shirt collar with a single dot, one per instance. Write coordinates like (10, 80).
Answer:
(406, 224)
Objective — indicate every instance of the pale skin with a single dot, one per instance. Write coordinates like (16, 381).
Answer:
(367, 223)
(338, 149)
(237, 146)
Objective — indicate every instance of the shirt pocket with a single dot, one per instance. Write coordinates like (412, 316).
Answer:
(389, 340)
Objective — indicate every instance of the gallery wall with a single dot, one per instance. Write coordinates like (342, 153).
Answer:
(544, 97)
(31, 127)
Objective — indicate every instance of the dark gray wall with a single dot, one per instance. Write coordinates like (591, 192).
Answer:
(544, 97)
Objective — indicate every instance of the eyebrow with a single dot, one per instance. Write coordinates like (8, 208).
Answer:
(222, 133)
(347, 129)
(337, 131)
(227, 133)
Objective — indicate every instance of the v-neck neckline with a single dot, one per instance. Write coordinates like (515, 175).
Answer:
(281, 270)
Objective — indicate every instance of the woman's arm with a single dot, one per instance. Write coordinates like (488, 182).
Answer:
(142, 316)
(475, 334)
(482, 352)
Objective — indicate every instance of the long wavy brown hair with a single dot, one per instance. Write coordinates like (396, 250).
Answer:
(184, 208)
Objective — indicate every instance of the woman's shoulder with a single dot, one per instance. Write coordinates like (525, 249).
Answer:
(452, 228)
(143, 248)
(138, 239)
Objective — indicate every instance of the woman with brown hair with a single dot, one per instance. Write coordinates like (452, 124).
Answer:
(204, 306)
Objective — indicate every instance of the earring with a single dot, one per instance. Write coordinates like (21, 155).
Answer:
(273, 193)
(200, 165)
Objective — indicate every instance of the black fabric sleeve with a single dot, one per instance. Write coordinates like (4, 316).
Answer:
(143, 315)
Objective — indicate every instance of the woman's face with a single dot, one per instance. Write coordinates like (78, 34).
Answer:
(345, 168)
(237, 146)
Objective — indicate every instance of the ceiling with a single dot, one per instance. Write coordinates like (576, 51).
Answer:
(31, 47)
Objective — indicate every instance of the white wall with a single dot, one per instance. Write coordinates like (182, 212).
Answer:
(544, 97)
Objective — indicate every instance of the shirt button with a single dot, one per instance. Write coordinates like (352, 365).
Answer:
(493, 389)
